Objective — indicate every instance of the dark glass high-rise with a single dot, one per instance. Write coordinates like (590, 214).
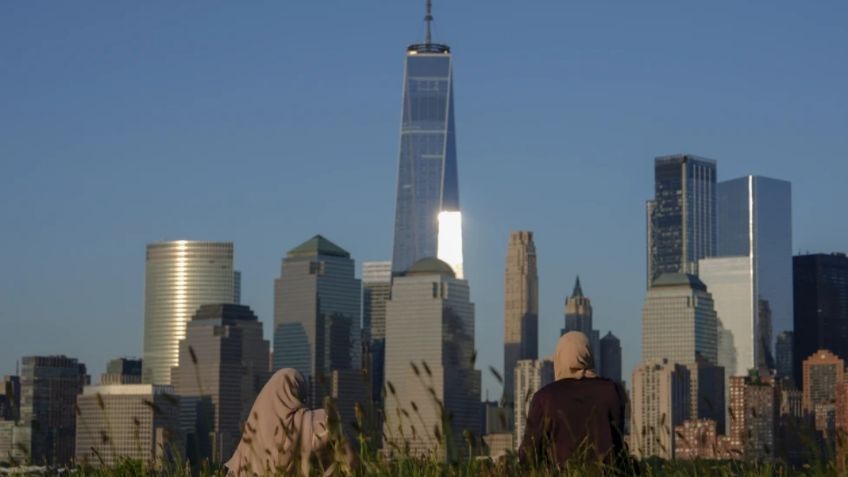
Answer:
(682, 215)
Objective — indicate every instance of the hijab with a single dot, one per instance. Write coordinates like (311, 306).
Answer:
(573, 357)
(280, 431)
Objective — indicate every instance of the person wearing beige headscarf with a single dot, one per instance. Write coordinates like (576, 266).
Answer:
(573, 357)
(281, 434)
(578, 415)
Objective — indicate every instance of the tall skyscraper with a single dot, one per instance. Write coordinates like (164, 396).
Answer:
(611, 357)
(682, 215)
(821, 306)
(317, 302)
(530, 375)
(223, 364)
(660, 401)
(127, 421)
(427, 215)
(49, 389)
(376, 291)
(751, 282)
(179, 277)
(521, 306)
(430, 360)
(679, 321)
(578, 317)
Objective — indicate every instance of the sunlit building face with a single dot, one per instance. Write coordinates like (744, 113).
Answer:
(179, 277)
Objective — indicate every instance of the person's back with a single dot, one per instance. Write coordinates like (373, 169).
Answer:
(578, 415)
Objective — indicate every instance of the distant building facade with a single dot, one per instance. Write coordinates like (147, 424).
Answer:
(430, 360)
(317, 306)
(682, 216)
(530, 376)
(578, 317)
(821, 306)
(127, 421)
(179, 277)
(784, 354)
(122, 371)
(49, 389)
(611, 357)
(755, 223)
(754, 415)
(660, 401)
(679, 321)
(823, 372)
(376, 291)
(521, 307)
(223, 364)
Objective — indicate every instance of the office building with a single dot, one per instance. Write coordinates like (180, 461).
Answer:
(127, 421)
(179, 277)
(49, 389)
(754, 415)
(751, 279)
(821, 306)
(678, 320)
(428, 184)
(10, 398)
(376, 291)
(223, 364)
(521, 306)
(317, 305)
(122, 371)
(430, 361)
(707, 392)
(578, 317)
(660, 401)
(530, 375)
(783, 354)
(682, 216)
(610, 357)
(823, 372)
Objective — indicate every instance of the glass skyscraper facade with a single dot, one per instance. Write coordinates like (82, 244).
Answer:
(427, 173)
(820, 284)
(751, 278)
(317, 302)
(682, 215)
(179, 277)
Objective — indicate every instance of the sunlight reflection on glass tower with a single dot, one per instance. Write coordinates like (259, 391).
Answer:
(450, 240)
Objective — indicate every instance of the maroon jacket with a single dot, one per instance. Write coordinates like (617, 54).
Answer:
(566, 413)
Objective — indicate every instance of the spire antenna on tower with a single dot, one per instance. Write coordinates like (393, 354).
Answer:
(428, 19)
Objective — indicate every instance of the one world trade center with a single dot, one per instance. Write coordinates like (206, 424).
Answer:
(427, 218)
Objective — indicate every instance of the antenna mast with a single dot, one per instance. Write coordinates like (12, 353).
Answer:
(428, 19)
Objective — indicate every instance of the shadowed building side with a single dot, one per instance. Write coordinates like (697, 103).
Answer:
(223, 364)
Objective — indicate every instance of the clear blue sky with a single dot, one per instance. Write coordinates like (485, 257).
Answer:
(264, 123)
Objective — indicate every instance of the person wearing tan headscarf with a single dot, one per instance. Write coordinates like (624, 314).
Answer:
(281, 433)
(573, 357)
(579, 415)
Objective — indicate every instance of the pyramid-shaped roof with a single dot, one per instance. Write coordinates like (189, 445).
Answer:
(318, 245)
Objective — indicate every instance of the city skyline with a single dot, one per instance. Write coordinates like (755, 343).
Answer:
(108, 309)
